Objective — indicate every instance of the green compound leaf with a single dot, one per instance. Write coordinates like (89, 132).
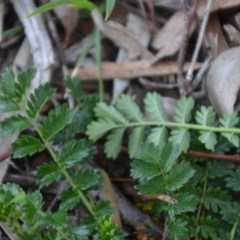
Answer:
(97, 129)
(168, 156)
(215, 199)
(178, 176)
(8, 105)
(129, 108)
(152, 187)
(208, 227)
(154, 107)
(69, 200)
(209, 139)
(186, 203)
(58, 219)
(231, 212)
(75, 151)
(148, 153)
(177, 228)
(56, 120)
(113, 144)
(7, 84)
(135, 140)
(180, 137)
(183, 110)
(158, 136)
(220, 169)
(206, 116)
(143, 170)
(13, 125)
(152, 162)
(230, 121)
(32, 206)
(11, 193)
(102, 110)
(88, 180)
(233, 181)
(47, 173)
(26, 146)
(38, 99)
(23, 83)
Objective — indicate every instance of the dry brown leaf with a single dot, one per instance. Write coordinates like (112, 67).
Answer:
(129, 70)
(109, 194)
(233, 34)
(217, 5)
(121, 37)
(169, 39)
(223, 81)
(139, 29)
(237, 20)
(69, 18)
(214, 27)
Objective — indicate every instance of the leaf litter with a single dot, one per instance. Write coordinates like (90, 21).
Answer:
(149, 48)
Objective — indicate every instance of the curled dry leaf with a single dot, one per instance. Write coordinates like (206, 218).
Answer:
(68, 17)
(232, 33)
(139, 29)
(237, 20)
(108, 193)
(223, 81)
(217, 5)
(168, 40)
(121, 37)
(214, 31)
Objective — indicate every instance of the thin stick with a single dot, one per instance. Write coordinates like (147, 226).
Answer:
(130, 70)
(199, 41)
(235, 158)
(189, 18)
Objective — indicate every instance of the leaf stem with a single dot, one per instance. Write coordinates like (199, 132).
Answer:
(201, 202)
(234, 228)
(48, 146)
(179, 125)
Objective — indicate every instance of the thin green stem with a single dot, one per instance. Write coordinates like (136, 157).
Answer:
(179, 125)
(98, 52)
(48, 146)
(234, 228)
(199, 212)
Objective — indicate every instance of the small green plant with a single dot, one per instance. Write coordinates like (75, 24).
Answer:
(55, 133)
(199, 194)
(113, 122)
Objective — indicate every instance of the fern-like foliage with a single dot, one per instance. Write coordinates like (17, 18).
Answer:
(114, 120)
(24, 212)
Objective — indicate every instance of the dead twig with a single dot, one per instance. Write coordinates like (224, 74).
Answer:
(189, 18)
(42, 50)
(208, 155)
(130, 70)
(156, 85)
(189, 75)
